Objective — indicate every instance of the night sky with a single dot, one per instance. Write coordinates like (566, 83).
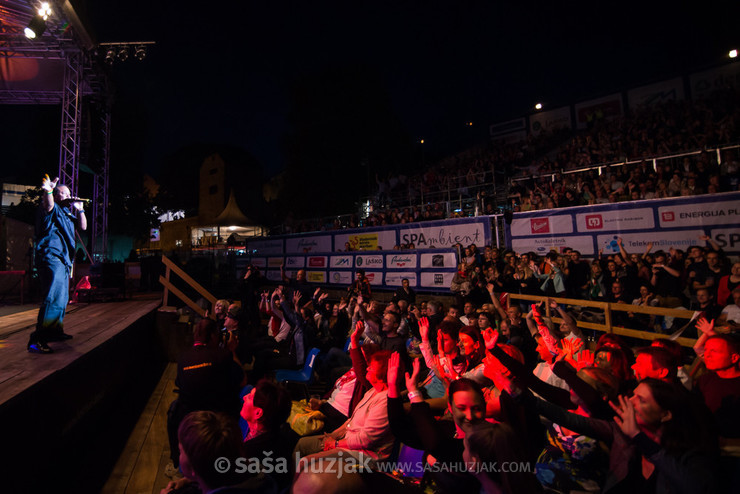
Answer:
(223, 71)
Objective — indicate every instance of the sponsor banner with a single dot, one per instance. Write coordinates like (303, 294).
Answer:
(317, 262)
(549, 120)
(265, 247)
(513, 138)
(259, 262)
(543, 245)
(698, 214)
(295, 262)
(341, 277)
(437, 280)
(393, 278)
(727, 238)
(407, 261)
(545, 225)
(704, 83)
(508, 127)
(625, 219)
(319, 243)
(654, 94)
(316, 276)
(341, 261)
(367, 262)
(367, 241)
(374, 277)
(444, 235)
(440, 260)
(274, 262)
(606, 108)
(661, 239)
(273, 275)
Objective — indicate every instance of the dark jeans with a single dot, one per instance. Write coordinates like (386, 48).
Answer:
(54, 275)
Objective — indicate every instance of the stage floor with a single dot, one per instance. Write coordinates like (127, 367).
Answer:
(90, 324)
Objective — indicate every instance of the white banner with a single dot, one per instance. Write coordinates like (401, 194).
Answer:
(653, 94)
(375, 277)
(704, 83)
(629, 219)
(727, 238)
(549, 120)
(394, 278)
(368, 262)
(317, 262)
(265, 247)
(273, 275)
(604, 108)
(295, 262)
(407, 261)
(436, 280)
(441, 260)
(548, 225)
(318, 243)
(341, 277)
(444, 235)
(543, 245)
(699, 214)
(636, 243)
(259, 262)
(341, 261)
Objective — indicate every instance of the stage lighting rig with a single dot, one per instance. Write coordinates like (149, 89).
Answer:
(121, 50)
(37, 26)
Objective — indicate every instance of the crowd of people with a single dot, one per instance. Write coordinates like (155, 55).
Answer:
(498, 396)
(667, 129)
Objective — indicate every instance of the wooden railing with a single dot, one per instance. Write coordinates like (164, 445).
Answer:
(608, 308)
(171, 267)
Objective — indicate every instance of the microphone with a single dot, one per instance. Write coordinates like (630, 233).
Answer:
(79, 199)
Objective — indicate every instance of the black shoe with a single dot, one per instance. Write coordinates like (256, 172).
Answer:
(39, 347)
(60, 337)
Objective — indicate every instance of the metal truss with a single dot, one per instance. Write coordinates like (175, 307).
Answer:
(69, 141)
(100, 196)
(65, 39)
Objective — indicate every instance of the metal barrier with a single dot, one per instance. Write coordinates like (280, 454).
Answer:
(608, 308)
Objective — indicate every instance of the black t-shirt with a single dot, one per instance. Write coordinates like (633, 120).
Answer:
(722, 397)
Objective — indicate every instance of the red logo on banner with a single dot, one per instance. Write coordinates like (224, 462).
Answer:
(370, 277)
(594, 222)
(540, 225)
(668, 216)
(316, 262)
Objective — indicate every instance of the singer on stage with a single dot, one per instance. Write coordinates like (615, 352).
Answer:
(56, 219)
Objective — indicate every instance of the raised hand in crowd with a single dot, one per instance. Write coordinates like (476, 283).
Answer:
(490, 338)
(424, 328)
(625, 417)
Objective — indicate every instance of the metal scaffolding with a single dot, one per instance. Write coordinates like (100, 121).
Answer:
(65, 39)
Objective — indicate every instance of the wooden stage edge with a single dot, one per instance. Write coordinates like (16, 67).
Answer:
(66, 416)
(89, 324)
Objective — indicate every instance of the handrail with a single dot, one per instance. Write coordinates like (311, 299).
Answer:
(608, 307)
(169, 287)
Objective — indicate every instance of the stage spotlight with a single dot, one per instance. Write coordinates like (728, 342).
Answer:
(110, 56)
(123, 54)
(140, 53)
(35, 28)
(538, 106)
(733, 54)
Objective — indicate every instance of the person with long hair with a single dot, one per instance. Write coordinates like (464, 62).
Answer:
(661, 439)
